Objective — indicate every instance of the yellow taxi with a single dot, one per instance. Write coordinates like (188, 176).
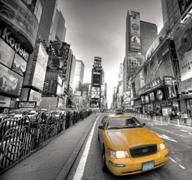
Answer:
(128, 147)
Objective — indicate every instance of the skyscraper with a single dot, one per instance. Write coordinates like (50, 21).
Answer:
(171, 12)
(79, 74)
(139, 37)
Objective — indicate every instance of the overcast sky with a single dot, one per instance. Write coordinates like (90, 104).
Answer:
(97, 28)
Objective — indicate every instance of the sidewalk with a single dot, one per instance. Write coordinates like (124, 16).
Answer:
(174, 122)
(47, 163)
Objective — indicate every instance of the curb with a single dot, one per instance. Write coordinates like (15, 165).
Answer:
(65, 170)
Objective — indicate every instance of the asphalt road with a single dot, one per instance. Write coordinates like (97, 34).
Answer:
(179, 166)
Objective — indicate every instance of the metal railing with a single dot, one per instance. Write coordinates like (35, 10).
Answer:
(165, 120)
(19, 137)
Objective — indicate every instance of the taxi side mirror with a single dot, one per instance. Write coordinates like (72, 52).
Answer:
(101, 127)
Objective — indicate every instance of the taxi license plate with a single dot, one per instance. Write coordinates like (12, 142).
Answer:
(148, 166)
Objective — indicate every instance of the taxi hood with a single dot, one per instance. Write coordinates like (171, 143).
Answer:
(125, 138)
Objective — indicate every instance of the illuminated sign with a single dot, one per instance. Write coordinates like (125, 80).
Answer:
(40, 67)
(10, 82)
(6, 54)
(135, 40)
(27, 104)
(10, 39)
(17, 15)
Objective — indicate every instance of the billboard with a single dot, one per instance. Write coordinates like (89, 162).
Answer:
(183, 5)
(17, 15)
(96, 79)
(35, 96)
(6, 54)
(184, 52)
(40, 68)
(10, 82)
(135, 39)
(19, 65)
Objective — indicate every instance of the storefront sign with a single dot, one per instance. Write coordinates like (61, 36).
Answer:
(152, 85)
(135, 40)
(27, 104)
(10, 82)
(168, 80)
(18, 16)
(8, 37)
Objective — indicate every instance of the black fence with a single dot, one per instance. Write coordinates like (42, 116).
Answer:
(20, 136)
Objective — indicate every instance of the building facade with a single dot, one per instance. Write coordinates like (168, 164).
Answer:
(17, 42)
(139, 37)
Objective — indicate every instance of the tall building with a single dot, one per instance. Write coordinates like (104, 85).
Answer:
(96, 83)
(139, 37)
(58, 30)
(47, 24)
(171, 12)
(79, 75)
(18, 31)
(37, 62)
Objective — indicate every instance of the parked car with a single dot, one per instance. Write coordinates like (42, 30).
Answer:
(128, 147)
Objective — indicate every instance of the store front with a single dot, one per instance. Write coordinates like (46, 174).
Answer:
(159, 95)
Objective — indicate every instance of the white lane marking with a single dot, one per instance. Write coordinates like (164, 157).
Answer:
(170, 132)
(163, 136)
(184, 130)
(174, 161)
(81, 166)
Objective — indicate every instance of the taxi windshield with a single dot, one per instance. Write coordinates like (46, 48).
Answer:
(121, 123)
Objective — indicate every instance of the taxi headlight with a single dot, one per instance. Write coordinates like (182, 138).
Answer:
(162, 146)
(119, 154)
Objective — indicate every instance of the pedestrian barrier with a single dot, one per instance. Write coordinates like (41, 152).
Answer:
(164, 120)
(19, 137)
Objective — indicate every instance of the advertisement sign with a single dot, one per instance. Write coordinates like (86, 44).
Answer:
(6, 54)
(40, 68)
(135, 40)
(147, 98)
(184, 51)
(18, 16)
(5, 101)
(168, 80)
(27, 104)
(35, 96)
(19, 65)
(10, 82)
(159, 95)
(184, 4)
(152, 97)
(96, 80)
(7, 35)
(166, 111)
(142, 99)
